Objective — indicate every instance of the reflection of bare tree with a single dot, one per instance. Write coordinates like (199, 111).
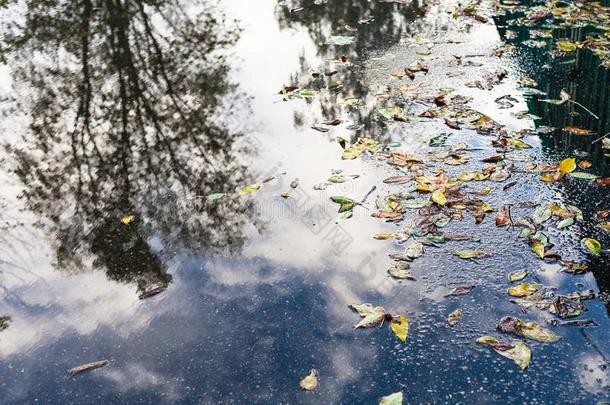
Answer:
(126, 104)
(374, 25)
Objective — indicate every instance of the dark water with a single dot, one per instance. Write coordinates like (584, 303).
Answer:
(143, 108)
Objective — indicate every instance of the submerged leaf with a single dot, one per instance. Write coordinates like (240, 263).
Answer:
(127, 219)
(460, 290)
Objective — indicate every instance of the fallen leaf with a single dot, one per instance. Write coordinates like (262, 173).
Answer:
(355, 150)
(392, 399)
(517, 275)
(399, 271)
(567, 165)
(372, 319)
(127, 219)
(414, 250)
(400, 327)
(460, 290)
(592, 245)
(523, 289)
(88, 366)
(517, 351)
(396, 180)
(250, 189)
(530, 330)
(384, 236)
(439, 198)
(454, 317)
(538, 248)
(310, 381)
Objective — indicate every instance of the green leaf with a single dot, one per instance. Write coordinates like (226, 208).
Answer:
(215, 196)
(582, 175)
(249, 189)
(392, 399)
(592, 245)
(414, 250)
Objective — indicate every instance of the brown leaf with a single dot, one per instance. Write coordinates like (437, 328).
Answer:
(503, 218)
(396, 180)
(460, 290)
(88, 366)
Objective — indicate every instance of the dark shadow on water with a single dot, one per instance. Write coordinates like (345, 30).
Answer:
(580, 74)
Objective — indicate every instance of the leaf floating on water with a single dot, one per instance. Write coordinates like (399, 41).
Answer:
(363, 309)
(346, 204)
(470, 254)
(127, 219)
(565, 223)
(400, 327)
(88, 366)
(454, 317)
(592, 245)
(396, 180)
(439, 198)
(530, 330)
(582, 175)
(460, 290)
(340, 40)
(352, 152)
(384, 236)
(566, 46)
(341, 178)
(567, 307)
(567, 165)
(523, 289)
(371, 319)
(605, 226)
(215, 196)
(399, 271)
(538, 248)
(503, 217)
(517, 275)
(250, 189)
(392, 399)
(577, 131)
(517, 351)
(414, 250)
(310, 381)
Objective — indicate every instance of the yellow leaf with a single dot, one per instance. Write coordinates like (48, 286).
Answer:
(249, 189)
(523, 289)
(384, 236)
(567, 165)
(127, 219)
(538, 248)
(400, 327)
(310, 382)
(439, 198)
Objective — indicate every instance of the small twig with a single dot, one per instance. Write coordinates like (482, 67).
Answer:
(599, 139)
(583, 107)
